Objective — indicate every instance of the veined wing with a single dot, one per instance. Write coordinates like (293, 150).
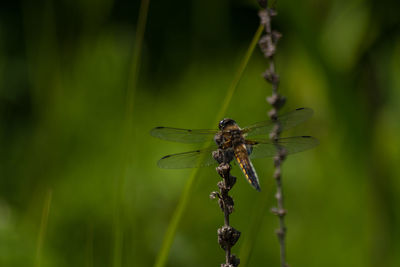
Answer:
(287, 121)
(183, 135)
(191, 159)
(265, 148)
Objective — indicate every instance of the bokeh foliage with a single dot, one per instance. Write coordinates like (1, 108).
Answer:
(69, 195)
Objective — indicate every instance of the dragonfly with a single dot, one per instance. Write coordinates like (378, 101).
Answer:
(245, 143)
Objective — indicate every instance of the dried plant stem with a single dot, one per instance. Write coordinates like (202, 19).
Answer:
(227, 235)
(268, 46)
(280, 211)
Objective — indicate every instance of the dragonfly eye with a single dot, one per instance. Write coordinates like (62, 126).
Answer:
(225, 122)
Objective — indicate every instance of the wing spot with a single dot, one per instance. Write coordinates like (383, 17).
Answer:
(167, 156)
(306, 136)
(299, 108)
(160, 127)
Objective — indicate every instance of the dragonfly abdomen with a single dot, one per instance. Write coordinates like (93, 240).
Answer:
(246, 166)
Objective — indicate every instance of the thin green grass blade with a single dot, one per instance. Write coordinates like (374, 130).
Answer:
(43, 228)
(136, 55)
(238, 75)
(128, 129)
(183, 202)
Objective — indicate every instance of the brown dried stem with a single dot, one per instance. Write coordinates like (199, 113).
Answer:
(268, 46)
(227, 235)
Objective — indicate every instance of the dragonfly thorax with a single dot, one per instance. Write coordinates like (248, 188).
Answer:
(236, 137)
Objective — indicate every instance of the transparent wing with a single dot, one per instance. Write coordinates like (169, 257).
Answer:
(183, 135)
(191, 159)
(287, 121)
(265, 148)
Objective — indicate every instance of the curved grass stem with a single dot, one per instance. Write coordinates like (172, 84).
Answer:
(184, 200)
(43, 228)
(127, 135)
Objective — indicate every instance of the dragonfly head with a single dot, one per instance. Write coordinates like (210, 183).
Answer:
(226, 122)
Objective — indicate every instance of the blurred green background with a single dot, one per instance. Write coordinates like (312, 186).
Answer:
(79, 185)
